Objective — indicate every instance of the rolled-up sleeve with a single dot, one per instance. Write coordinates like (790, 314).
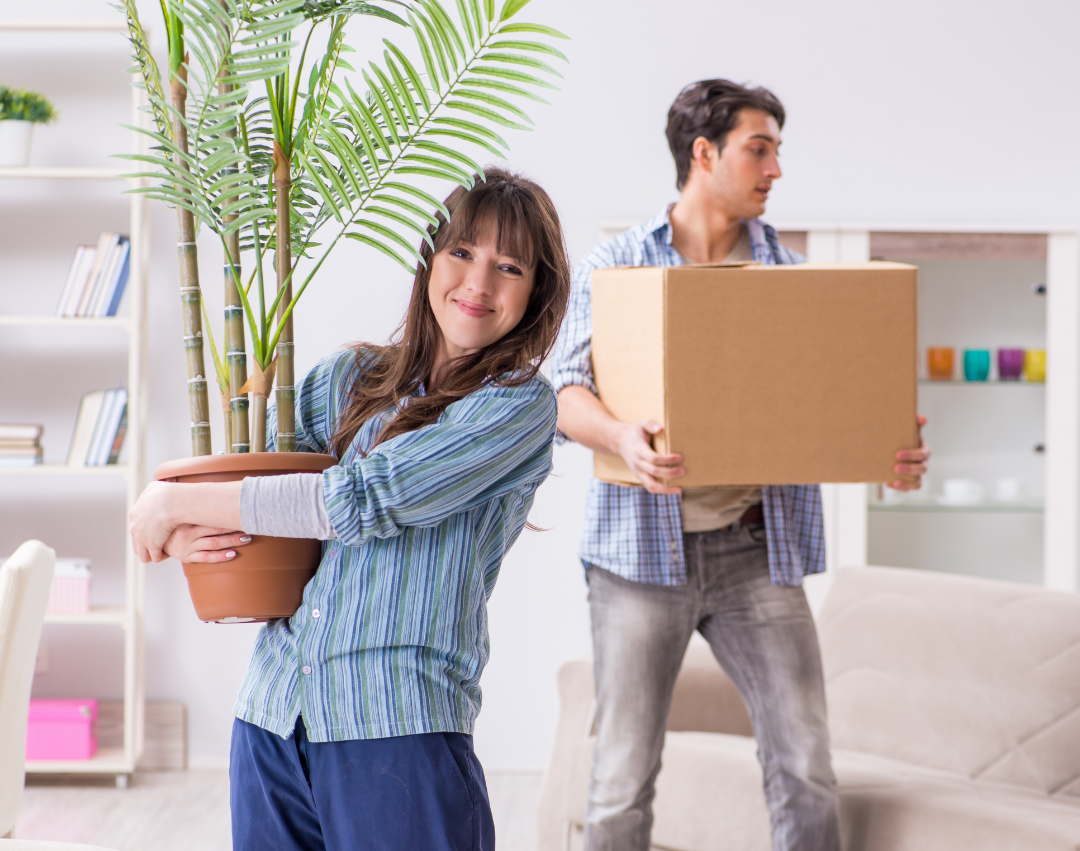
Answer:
(572, 361)
(484, 446)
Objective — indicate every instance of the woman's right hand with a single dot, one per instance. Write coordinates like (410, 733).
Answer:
(204, 544)
(635, 448)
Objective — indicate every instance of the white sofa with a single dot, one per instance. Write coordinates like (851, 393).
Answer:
(954, 707)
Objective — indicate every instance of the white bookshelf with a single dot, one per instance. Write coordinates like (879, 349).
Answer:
(129, 617)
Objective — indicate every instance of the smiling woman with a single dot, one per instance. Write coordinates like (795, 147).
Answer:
(353, 726)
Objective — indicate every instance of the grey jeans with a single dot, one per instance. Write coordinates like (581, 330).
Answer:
(764, 638)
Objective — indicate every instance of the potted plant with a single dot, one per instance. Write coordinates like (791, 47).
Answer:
(19, 112)
(279, 155)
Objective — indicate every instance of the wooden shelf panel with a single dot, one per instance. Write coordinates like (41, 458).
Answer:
(104, 25)
(61, 173)
(98, 615)
(68, 321)
(105, 761)
(107, 470)
(949, 382)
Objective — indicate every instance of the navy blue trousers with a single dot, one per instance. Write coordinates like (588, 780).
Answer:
(408, 793)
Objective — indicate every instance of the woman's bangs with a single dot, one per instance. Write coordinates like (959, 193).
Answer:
(481, 212)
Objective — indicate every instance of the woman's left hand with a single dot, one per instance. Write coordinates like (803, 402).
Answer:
(913, 462)
(151, 521)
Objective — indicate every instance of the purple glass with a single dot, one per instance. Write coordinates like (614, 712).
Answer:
(1010, 364)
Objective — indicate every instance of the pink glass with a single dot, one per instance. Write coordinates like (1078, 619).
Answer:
(62, 729)
(1010, 364)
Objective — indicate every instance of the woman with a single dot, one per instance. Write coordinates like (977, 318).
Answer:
(354, 722)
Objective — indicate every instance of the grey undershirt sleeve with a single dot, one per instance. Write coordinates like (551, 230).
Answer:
(290, 506)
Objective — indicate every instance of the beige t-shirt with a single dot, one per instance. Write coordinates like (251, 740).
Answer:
(705, 509)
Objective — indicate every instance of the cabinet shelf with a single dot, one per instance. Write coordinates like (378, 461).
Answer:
(106, 470)
(105, 761)
(61, 173)
(927, 507)
(997, 382)
(97, 616)
(67, 321)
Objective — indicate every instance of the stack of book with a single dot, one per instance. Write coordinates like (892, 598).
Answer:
(99, 429)
(97, 278)
(20, 445)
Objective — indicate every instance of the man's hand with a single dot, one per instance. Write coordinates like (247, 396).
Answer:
(913, 462)
(635, 448)
(204, 544)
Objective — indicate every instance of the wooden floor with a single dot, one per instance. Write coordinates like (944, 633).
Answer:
(185, 810)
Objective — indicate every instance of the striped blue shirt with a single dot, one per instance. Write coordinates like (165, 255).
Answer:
(638, 535)
(422, 525)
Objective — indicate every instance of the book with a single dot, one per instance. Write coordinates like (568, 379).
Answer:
(112, 412)
(16, 451)
(121, 433)
(100, 256)
(114, 287)
(97, 280)
(20, 431)
(69, 284)
(89, 409)
(80, 275)
(20, 460)
(25, 443)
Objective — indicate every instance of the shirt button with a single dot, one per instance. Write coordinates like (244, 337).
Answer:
(316, 613)
(306, 669)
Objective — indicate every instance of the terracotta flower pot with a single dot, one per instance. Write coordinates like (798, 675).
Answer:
(266, 579)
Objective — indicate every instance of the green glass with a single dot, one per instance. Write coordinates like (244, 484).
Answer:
(976, 364)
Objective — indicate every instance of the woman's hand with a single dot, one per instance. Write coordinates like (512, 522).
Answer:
(152, 520)
(204, 544)
(913, 462)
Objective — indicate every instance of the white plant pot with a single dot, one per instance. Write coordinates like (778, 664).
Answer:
(15, 142)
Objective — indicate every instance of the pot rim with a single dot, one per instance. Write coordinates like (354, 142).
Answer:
(245, 462)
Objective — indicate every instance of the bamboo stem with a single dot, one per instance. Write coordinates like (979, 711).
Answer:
(190, 293)
(286, 392)
(225, 408)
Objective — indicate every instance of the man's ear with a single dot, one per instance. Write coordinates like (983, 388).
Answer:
(703, 154)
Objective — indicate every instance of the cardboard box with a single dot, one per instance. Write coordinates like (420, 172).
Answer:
(761, 374)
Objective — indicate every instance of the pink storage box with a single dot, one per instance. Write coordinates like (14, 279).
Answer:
(70, 592)
(62, 729)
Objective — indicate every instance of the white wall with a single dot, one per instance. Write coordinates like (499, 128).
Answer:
(943, 111)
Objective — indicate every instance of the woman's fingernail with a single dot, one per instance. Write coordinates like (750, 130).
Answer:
(230, 554)
(245, 539)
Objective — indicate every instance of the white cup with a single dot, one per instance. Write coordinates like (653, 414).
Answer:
(962, 490)
(1008, 489)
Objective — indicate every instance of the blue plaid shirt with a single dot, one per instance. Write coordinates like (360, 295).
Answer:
(638, 535)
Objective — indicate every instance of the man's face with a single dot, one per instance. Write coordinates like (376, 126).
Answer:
(741, 177)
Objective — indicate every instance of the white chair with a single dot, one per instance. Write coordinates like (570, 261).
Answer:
(25, 579)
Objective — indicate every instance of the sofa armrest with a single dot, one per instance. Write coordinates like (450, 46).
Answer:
(576, 698)
(705, 698)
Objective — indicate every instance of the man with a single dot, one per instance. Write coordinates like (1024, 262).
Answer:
(662, 562)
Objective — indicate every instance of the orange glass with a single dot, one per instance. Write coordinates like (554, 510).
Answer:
(939, 362)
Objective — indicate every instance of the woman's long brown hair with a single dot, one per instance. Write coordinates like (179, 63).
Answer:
(526, 227)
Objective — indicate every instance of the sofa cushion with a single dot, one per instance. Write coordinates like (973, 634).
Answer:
(709, 796)
(971, 676)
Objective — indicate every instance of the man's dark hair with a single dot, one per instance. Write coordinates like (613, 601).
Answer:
(710, 108)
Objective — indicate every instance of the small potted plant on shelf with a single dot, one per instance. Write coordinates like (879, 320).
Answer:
(277, 154)
(19, 112)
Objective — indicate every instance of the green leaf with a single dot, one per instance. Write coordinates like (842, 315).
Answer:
(495, 101)
(467, 20)
(539, 29)
(329, 171)
(516, 76)
(436, 148)
(426, 197)
(369, 127)
(514, 59)
(471, 127)
(392, 235)
(405, 96)
(511, 8)
(414, 77)
(435, 162)
(454, 44)
(385, 95)
(374, 243)
(534, 46)
(465, 137)
(426, 53)
(405, 220)
(324, 190)
(415, 209)
(484, 112)
(509, 88)
(489, 10)
(431, 172)
(435, 42)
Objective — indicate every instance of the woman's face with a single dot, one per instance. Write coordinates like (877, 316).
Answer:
(477, 294)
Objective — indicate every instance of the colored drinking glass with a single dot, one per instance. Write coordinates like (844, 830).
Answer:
(1035, 364)
(976, 364)
(939, 362)
(1010, 364)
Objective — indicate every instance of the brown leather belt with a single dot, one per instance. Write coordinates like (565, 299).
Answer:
(754, 515)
